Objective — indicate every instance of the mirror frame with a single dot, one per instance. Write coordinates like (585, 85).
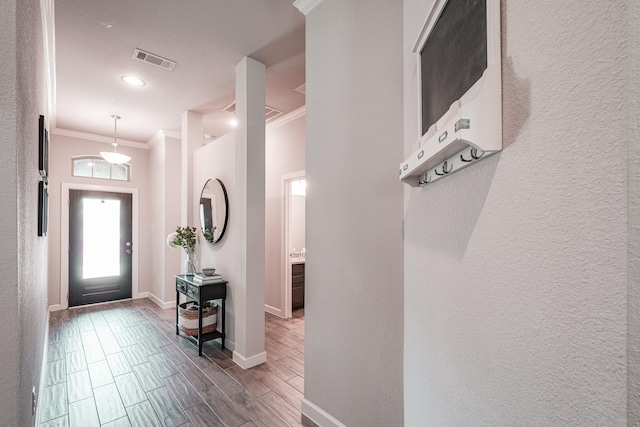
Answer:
(226, 207)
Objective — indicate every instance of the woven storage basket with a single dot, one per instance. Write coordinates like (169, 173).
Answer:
(188, 319)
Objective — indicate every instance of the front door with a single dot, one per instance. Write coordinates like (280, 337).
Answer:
(100, 246)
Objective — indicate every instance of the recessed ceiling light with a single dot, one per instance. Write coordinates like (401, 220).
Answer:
(133, 81)
(233, 122)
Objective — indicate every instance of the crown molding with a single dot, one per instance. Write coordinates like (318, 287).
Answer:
(306, 6)
(161, 135)
(172, 134)
(98, 138)
(155, 139)
(289, 117)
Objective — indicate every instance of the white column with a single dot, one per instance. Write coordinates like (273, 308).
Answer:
(250, 179)
(191, 141)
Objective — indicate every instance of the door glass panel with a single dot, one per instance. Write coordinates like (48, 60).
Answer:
(101, 238)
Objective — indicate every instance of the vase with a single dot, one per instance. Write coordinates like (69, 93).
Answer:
(191, 264)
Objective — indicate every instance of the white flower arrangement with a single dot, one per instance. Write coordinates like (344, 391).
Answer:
(186, 238)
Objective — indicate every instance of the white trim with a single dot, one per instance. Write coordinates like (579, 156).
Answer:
(318, 415)
(43, 369)
(285, 265)
(287, 118)
(172, 134)
(306, 6)
(231, 345)
(159, 302)
(64, 234)
(160, 136)
(249, 362)
(273, 310)
(55, 307)
(155, 139)
(142, 295)
(98, 138)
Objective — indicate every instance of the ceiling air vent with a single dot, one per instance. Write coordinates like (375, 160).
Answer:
(153, 59)
(270, 113)
(302, 89)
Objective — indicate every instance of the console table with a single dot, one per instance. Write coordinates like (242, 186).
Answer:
(201, 292)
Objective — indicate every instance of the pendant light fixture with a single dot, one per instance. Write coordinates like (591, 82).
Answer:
(113, 156)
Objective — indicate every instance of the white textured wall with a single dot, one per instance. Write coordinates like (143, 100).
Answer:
(23, 261)
(516, 267)
(61, 150)
(173, 256)
(157, 199)
(353, 310)
(9, 214)
(164, 188)
(633, 278)
(217, 159)
(284, 155)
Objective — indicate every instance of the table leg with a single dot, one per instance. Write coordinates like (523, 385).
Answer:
(223, 334)
(200, 329)
(177, 304)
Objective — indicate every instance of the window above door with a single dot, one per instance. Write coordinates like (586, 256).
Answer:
(97, 167)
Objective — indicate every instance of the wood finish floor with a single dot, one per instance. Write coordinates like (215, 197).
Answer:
(122, 364)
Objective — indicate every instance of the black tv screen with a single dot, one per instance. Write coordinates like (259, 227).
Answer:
(453, 57)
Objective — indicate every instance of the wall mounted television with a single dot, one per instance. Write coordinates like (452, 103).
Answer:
(459, 89)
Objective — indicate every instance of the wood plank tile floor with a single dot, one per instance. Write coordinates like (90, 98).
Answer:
(122, 364)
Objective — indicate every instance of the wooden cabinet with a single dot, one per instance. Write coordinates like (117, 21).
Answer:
(297, 285)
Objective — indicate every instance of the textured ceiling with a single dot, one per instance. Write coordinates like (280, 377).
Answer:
(95, 40)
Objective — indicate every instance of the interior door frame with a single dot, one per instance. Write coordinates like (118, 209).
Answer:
(64, 235)
(285, 287)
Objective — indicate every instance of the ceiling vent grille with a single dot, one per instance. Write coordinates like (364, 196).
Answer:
(302, 89)
(153, 59)
(270, 113)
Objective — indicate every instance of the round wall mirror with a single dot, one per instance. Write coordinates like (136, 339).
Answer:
(214, 210)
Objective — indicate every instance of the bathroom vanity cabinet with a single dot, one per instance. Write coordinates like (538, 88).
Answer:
(297, 285)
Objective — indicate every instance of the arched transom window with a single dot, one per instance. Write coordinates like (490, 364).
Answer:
(97, 167)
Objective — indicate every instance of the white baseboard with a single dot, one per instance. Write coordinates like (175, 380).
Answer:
(43, 368)
(54, 307)
(159, 302)
(272, 310)
(318, 416)
(229, 344)
(141, 295)
(249, 362)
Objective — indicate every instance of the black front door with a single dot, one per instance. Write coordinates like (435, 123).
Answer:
(100, 246)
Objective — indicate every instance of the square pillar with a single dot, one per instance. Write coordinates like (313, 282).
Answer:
(250, 178)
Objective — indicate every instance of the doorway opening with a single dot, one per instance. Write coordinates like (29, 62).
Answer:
(294, 251)
(100, 246)
(66, 267)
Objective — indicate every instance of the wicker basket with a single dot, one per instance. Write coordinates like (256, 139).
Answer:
(188, 319)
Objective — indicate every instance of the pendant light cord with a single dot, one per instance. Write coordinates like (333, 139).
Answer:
(115, 131)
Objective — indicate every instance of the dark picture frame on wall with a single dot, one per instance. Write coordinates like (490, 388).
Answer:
(43, 148)
(43, 208)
